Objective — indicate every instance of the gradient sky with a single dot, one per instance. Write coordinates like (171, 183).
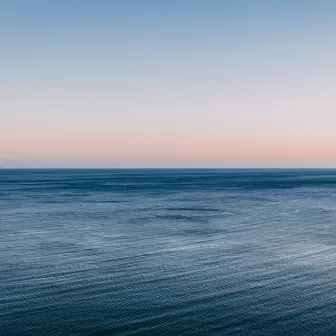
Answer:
(167, 83)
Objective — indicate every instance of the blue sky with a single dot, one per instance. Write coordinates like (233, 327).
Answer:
(167, 83)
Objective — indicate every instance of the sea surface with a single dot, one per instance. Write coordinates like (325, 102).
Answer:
(167, 252)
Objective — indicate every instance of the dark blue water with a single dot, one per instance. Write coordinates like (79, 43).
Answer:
(168, 252)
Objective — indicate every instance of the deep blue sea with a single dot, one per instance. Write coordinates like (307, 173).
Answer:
(167, 252)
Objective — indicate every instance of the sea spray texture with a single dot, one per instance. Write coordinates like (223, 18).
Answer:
(167, 252)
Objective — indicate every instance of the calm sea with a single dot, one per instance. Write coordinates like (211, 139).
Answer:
(167, 252)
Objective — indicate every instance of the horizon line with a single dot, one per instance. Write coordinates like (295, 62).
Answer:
(167, 168)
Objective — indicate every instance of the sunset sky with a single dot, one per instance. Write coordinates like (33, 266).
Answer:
(167, 83)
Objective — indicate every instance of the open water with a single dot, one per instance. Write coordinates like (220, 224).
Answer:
(167, 252)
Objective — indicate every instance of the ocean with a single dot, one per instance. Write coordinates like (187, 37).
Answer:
(167, 252)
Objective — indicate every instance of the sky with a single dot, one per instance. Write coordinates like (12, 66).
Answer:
(167, 83)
